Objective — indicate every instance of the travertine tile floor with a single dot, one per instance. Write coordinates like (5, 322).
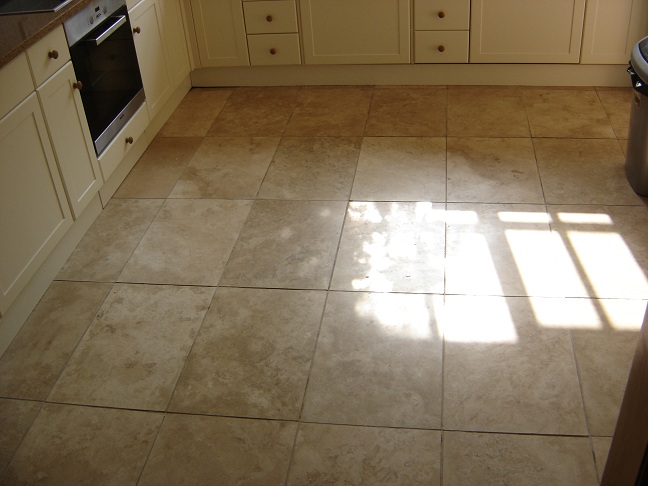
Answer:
(344, 285)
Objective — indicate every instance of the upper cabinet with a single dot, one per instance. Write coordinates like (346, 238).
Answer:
(612, 27)
(526, 31)
(220, 32)
(356, 32)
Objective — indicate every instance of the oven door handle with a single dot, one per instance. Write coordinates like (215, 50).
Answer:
(121, 20)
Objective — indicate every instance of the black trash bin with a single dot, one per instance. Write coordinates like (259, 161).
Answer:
(636, 165)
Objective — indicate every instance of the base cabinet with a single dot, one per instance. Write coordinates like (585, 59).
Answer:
(526, 31)
(357, 32)
(146, 20)
(71, 139)
(220, 32)
(34, 212)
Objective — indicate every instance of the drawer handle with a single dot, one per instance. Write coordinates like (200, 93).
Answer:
(129, 140)
(269, 18)
(78, 85)
(137, 30)
(441, 48)
(273, 51)
(441, 14)
(53, 54)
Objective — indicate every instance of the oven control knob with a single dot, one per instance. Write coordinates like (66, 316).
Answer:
(91, 20)
(105, 10)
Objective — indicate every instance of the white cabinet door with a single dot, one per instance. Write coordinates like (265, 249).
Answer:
(176, 44)
(34, 214)
(526, 31)
(71, 139)
(356, 32)
(146, 20)
(612, 27)
(220, 32)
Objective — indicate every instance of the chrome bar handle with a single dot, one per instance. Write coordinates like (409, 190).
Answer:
(121, 20)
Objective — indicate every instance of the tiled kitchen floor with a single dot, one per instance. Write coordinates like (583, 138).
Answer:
(344, 285)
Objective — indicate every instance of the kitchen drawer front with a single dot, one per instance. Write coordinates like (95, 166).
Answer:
(121, 144)
(441, 14)
(16, 82)
(270, 17)
(274, 49)
(48, 55)
(441, 47)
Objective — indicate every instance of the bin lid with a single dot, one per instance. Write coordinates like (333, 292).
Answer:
(639, 59)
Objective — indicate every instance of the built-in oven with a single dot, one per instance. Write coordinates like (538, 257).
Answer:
(104, 59)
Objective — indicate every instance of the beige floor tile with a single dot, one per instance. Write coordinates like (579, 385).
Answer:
(401, 169)
(493, 459)
(196, 113)
(408, 112)
(330, 112)
(507, 249)
(188, 243)
(616, 103)
(110, 241)
(391, 247)
(253, 354)
(608, 244)
(312, 168)
(487, 111)
(583, 172)
(377, 362)
(256, 112)
(134, 351)
(334, 454)
(159, 168)
(566, 113)
(16, 417)
(211, 450)
(83, 445)
(601, 446)
(286, 244)
(504, 372)
(493, 170)
(34, 360)
(227, 168)
(604, 358)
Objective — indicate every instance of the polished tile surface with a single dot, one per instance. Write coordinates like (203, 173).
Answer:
(344, 285)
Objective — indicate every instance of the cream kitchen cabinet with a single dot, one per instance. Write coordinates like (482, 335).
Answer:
(174, 38)
(612, 28)
(441, 32)
(356, 32)
(147, 23)
(71, 139)
(272, 30)
(34, 212)
(220, 32)
(526, 31)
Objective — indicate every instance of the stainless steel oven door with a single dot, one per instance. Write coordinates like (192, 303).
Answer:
(105, 62)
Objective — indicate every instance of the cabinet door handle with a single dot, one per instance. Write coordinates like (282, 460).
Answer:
(78, 85)
(273, 51)
(53, 54)
(441, 14)
(137, 30)
(269, 18)
(129, 140)
(441, 48)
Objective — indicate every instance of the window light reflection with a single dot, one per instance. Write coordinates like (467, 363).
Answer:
(403, 315)
(484, 320)
(524, 217)
(609, 264)
(585, 218)
(566, 313)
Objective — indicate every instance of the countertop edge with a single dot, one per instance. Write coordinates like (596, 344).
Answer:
(42, 24)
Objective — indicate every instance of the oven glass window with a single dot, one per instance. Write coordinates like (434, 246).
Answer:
(108, 70)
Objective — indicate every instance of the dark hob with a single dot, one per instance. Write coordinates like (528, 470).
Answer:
(11, 7)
